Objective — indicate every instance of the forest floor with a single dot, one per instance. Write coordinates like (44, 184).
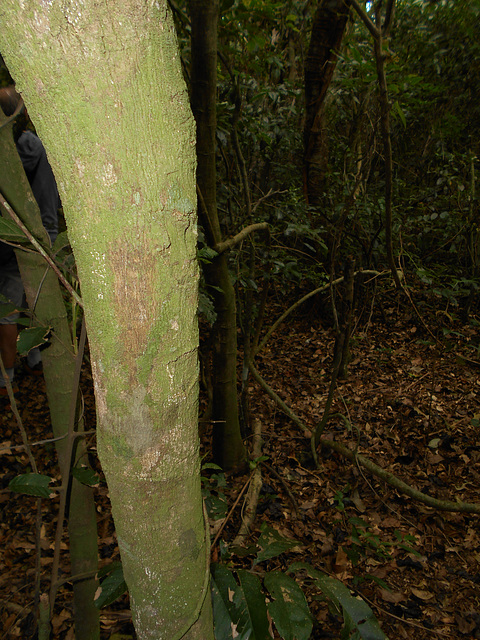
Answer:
(409, 404)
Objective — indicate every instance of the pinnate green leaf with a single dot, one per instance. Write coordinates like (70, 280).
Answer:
(256, 607)
(357, 615)
(112, 587)
(30, 338)
(289, 609)
(272, 544)
(239, 610)
(228, 604)
(10, 232)
(85, 475)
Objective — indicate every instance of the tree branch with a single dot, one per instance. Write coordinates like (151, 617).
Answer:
(294, 306)
(221, 247)
(284, 407)
(393, 481)
(365, 19)
(253, 494)
(389, 14)
(41, 250)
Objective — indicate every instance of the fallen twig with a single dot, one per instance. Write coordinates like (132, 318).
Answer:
(440, 505)
(284, 407)
(251, 500)
(285, 486)
(234, 506)
(393, 481)
(277, 323)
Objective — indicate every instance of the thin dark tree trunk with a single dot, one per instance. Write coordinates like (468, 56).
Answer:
(228, 447)
(328, 28)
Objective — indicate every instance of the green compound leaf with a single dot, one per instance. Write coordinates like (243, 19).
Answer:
(289, 609)
(239, 610)
(357, 615)
(256, 608)
(272, 544)
(222, 619)
(32, 484)
(228, 603)
(112, 587)
(10, 232)
(6, 307)
(61, 242)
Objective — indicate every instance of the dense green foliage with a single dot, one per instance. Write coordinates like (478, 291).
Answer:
(433, 66)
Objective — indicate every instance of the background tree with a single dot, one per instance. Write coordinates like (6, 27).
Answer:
(114, 116)
(328, 27)
(228, 448)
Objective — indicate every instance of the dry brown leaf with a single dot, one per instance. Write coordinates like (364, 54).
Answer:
(59, 620)
(465, 626)
(391, 596)
(358, 502)
(422, 594)
(341, 561)
(434, 458)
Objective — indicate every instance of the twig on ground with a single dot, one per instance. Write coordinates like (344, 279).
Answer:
(440, 505)
(284, 407)
(392, 615)
(251, 499)
(393, 481)
(229, 514)
(285, 486)
(306, 297)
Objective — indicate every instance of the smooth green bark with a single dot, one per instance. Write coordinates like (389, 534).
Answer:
(45, 298)
(103, 85)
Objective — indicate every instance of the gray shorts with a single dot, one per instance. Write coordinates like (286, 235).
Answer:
(12, 288)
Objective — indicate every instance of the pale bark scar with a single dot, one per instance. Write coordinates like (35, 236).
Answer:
(133, 264)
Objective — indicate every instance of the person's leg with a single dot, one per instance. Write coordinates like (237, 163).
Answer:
(33, 362)
(8, 350)
(8, 344)
(11, 289)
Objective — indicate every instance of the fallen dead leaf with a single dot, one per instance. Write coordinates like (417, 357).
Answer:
(341, 561)
(422, 594)
(391, 596)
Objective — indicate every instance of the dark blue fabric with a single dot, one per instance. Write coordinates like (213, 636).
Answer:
(41, 179)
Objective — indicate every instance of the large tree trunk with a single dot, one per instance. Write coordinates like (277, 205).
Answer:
(45, 298)
(103, 84)
(228, 447)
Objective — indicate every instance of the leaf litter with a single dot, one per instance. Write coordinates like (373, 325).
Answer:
(411, 407)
